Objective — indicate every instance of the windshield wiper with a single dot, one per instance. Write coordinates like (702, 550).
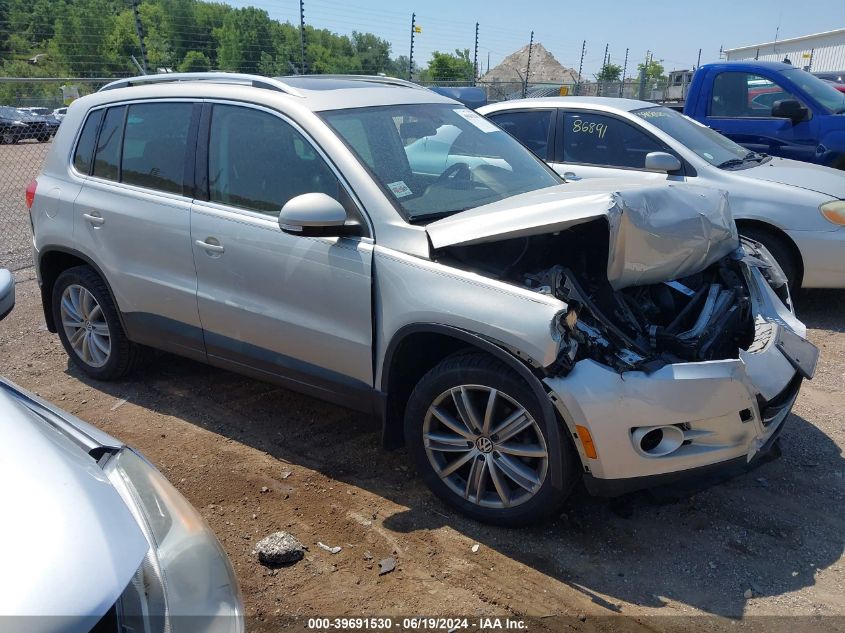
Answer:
(732, 162)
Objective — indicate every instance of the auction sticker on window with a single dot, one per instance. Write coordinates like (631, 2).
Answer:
(477, 120)
(400, 189)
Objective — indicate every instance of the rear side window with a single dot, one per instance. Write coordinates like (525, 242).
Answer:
(84, 155)
(257, 161)
(107, 160)
(154, 145)
(529, 127)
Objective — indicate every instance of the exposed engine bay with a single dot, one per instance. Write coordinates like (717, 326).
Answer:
(702, 316)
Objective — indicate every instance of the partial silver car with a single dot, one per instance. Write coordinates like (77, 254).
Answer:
(516, 333)
(93, 537)
(796, 209)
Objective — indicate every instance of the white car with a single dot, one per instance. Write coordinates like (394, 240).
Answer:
(796, 209)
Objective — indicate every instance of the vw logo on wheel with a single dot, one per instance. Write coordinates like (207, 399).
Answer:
(484, 444)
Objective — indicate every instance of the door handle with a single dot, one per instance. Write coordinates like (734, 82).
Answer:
(570, 175)
(96, 220)
(211, 248)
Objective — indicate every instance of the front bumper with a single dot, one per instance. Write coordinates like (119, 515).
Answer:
(727, 410)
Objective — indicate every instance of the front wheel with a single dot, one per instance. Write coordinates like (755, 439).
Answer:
(480, 441)
(8, 138)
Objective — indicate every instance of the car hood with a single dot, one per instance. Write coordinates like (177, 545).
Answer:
(657, 233)
(70, 545)
(824, 180)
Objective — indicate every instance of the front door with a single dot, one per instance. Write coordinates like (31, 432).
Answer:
(598, 145)
(741, 108)
(296, 310)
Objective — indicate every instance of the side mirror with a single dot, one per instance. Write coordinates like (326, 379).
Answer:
(662, 162)
(7, 293)
(789, 109)
(316, 215)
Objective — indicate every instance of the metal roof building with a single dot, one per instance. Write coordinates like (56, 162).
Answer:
(817, 53)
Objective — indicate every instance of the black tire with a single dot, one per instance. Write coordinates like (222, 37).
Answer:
(484, 371)
(8, 138)
(43, 138)
(124, 355)
(780, 250)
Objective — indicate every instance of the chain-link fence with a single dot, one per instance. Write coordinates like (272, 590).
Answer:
(29, 118)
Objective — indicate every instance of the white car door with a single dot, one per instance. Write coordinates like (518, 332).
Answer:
(592, 144)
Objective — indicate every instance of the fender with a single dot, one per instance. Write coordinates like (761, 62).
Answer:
(555, 439)
(46, 296)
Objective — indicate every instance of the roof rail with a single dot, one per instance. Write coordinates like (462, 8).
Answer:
(256, 81)
(378, 79)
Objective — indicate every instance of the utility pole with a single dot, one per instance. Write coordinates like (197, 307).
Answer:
(411, 56)
(302, 36)
(580, 67)
(528, 67)
(624, 72)
(139, 28)
(602, 82)
(643, 76)
(475, 57)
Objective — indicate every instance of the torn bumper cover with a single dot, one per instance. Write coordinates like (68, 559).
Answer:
(690, 416)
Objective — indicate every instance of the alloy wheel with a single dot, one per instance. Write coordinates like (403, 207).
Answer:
(485, 446)
(85, 325)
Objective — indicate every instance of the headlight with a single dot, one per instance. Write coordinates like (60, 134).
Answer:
(834, 211)
(185, 582)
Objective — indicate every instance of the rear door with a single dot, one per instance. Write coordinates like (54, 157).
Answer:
(592, 144)
(292, 309)
(740, 107)
(132, 217)
(534, 128)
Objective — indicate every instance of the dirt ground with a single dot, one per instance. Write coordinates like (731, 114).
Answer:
(221, 439)
(776, 534)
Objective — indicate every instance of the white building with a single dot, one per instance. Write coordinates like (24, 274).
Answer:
(818, 53)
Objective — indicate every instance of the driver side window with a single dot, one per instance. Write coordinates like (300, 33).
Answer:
(739, 95)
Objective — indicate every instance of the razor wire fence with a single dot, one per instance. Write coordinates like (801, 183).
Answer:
(27, 127)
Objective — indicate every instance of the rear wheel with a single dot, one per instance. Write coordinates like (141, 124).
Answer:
(480, 441)
(780, 250)
(88, 325)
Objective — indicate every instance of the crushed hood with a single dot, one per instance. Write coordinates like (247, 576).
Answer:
(824, 180)
(657, 233)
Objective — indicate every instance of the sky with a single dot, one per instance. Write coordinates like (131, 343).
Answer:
(672, 30)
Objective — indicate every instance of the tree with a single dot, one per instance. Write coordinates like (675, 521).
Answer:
(609, 72)
(654, 70)
(194, 62)
(449, 67)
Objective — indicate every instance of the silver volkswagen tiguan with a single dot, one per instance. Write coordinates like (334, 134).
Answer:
(369, 242)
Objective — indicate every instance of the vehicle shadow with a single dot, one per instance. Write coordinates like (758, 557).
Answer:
(768, 531)
(817, 308)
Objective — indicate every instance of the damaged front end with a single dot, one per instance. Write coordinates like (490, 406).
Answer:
(678, 345)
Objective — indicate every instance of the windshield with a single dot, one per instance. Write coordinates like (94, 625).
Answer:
(433, 160)
(828, 96)
(710, 145)
(9, 113)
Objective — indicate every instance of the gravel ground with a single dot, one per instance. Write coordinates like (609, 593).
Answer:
(256, 459)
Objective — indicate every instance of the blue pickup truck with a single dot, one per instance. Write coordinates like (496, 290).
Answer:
(771, 108)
